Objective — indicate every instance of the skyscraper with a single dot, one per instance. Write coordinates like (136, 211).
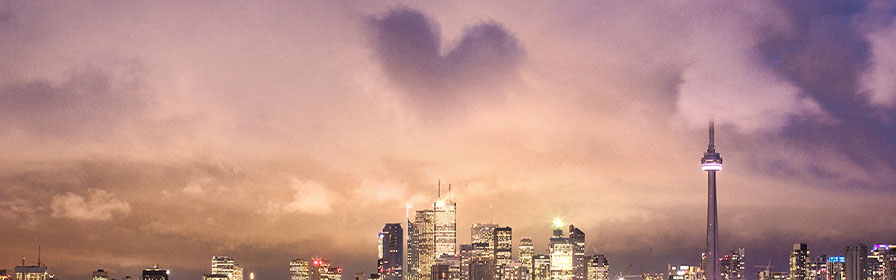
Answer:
(299, 269)
(561, 256)
(799, 262)
(391, 254)
(466, 258)
(413, 254)
(711, 163)
(818, 268)
(153, 272)
(482, 266)
(541, 267)
(598, 268)
(484, 233)
(856, 262)
(425, 233)
(837, 268)
(445, 212)
(577, 238)
(225, 265)
(882, 262)
(322, 269)
(503, 249)
(733, 265)
(526, 252)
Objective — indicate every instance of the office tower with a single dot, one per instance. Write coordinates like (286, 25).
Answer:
(818, 268)
(31, 272)
(153, 272)
(881, 262)
(322, 269)
(413, 254)
(526, 252)
(541, 267)
(577, 238)
(598, 268)
(515, 270)
(856, 262)
(445, 212)
(484, 233)
(100, 274)
(711, 163)
(732, 265)
(424, 223)
(299, 269)
(799, 262)
(482, 265)
(390, 252)
(224, 265)
(837, 268)
(561, 250)
(466, 257)
(684, 272)
(503, 249)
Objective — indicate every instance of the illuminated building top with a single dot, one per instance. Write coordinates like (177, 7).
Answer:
(711, 160)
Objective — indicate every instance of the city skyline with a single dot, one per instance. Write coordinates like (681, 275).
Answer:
(141, 133)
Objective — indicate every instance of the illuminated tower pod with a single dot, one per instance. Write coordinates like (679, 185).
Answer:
(712, 163)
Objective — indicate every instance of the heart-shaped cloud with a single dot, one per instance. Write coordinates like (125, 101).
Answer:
(408, 45)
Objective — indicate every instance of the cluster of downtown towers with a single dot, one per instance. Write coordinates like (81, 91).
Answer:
(433, 252)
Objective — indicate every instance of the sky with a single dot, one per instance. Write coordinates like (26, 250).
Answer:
(135, 133)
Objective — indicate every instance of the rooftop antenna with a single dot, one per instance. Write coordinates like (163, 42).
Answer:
(439, 183)
(38, 255)
(712, 130)
(23, 260)
(449, 191)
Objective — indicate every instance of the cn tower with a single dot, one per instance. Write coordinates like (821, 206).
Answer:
(711, 163)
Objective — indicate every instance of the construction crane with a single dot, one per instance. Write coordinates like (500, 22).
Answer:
(647, 261)
(625, 274)
(767, 267)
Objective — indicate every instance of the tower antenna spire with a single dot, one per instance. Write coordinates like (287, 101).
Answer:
(38, 255)
(439, 183)
(449, 191)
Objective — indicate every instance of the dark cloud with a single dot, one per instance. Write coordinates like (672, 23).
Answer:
(408, 45)
(91, 100)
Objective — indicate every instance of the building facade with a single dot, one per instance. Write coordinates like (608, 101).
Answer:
(577, 239)
(799, 262)
(598, 268)
(732, 265)
(391, 254)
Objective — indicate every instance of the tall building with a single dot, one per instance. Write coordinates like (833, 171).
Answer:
(100, 274)
(598, 268)
(155, 273)
(561, 256)
(31, 272)
(732, 265)
(837, 268)
(515, 271)
(799, 262)
(818, 268)
(299, 269)
(482, 265)
(541, 267)
(466, 257)
(526, 252)
(225, 265)
(449, 262)
(503, 249)
(856, 262)
(882, 262)
(425, 243)
(445, 212)
(577, 238)
(391, 255)
(711, 163)
(484, 233)
(413, 253)
(322, 269)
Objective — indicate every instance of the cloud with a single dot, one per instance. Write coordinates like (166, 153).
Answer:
(90, 100)
(99, 205)
(309, 198)
(408, 43)
(879, 80)
(726, 70)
